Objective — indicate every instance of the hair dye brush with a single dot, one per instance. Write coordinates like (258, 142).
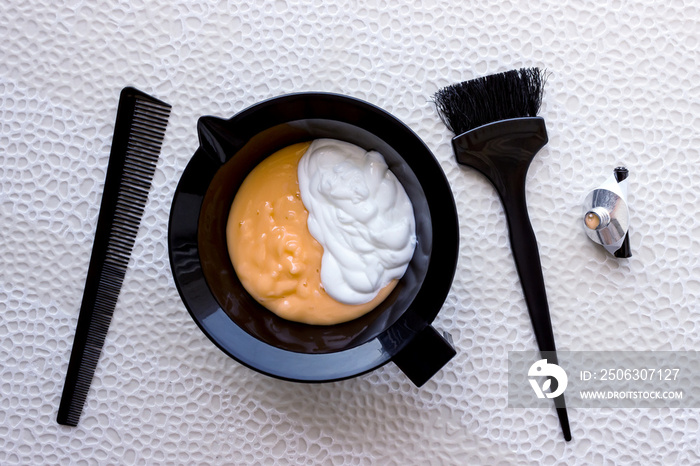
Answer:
(498, 134)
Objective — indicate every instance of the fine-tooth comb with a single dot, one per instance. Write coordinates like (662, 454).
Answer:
(138, 135)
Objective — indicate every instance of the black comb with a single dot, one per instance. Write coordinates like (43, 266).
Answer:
(138, 135)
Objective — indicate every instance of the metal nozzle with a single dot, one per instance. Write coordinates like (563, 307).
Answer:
(606, 215)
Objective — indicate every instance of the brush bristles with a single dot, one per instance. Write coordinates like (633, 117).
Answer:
(470, 104)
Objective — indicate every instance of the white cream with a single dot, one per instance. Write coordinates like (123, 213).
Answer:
(361, 215)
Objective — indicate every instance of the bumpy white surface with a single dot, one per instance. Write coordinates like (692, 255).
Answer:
(623, 89)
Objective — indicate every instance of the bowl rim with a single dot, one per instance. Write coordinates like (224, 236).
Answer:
(263, 357)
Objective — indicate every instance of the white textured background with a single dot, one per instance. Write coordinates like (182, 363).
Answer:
(624, 89)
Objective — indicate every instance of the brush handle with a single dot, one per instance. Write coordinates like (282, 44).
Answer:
(527, 262)
(526, 254)
(502, 152)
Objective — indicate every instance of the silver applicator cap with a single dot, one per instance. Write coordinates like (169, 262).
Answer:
(606, 215)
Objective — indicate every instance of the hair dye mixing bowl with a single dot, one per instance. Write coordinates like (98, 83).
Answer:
(397, 330)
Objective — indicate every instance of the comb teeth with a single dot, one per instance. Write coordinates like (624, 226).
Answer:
(138, 136)
(470, 104)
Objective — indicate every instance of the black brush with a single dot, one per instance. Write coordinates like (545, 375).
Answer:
(499, 133)
(138, 135)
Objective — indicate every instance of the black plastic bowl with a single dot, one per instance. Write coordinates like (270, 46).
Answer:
(398, 329)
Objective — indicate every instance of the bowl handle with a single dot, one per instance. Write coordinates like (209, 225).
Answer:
(424, 355)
